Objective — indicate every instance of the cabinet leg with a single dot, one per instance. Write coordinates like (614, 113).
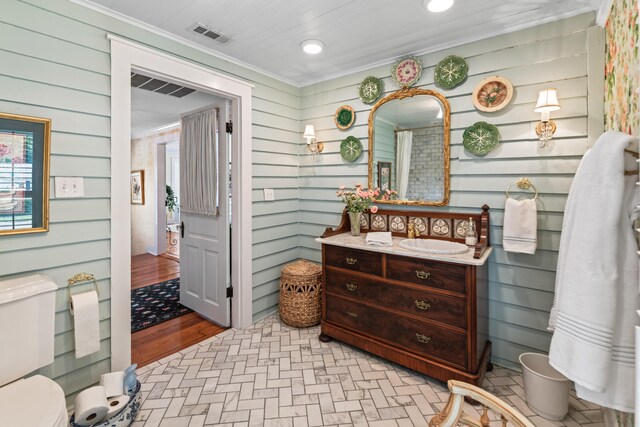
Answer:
(489, 367)
(325, 338)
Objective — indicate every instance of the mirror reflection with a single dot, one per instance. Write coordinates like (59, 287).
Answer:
(24, 174)
(409, 146)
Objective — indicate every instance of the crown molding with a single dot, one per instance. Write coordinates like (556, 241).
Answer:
(449, 45)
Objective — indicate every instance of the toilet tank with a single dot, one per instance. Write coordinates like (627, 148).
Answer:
(27, 319)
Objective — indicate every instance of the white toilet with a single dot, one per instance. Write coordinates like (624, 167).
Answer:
(27, 318)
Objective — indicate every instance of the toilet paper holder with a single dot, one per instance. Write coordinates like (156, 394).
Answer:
(76, 280)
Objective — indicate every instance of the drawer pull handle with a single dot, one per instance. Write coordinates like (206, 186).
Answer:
(423, 338)
(351, 261)
(351, 286)
(423, 274)
(423, 305)
(352, 314)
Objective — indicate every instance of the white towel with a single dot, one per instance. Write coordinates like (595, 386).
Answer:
(520, 230)
(596, 294)
(382, 238)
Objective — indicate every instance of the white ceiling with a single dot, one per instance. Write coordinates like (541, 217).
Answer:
(150, 110)
(358, 34)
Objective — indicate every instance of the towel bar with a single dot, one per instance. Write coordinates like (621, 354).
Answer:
(524, 184)
(634, 154)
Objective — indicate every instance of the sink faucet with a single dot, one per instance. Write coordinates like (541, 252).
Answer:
(411, 232)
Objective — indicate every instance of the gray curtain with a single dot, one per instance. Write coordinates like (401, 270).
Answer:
(198, 150)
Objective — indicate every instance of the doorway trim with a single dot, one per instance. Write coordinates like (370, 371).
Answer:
(126, 56)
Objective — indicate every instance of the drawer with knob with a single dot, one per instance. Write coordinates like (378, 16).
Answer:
(353, 259)
(420, 337)
(450, 277)
(407, 299)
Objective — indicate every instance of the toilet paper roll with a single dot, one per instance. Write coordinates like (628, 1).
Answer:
(116, 404)
(113, 383)
(91, 406)
(86, 323)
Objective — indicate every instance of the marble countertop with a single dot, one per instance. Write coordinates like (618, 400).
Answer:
(358, 242)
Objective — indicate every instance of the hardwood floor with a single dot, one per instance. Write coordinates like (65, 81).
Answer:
(156, 342)
(147, 269)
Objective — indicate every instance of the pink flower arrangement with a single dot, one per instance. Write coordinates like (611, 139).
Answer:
(358, 199)
(4, 150)
(388, 195)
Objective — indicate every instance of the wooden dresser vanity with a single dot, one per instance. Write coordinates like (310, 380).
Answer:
(425, 311)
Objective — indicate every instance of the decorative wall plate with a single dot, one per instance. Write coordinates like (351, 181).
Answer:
(370, 89)
(480, 138)
(492, 94)
(450, 72)
(406, 71)
(344, 117)
(350, 148)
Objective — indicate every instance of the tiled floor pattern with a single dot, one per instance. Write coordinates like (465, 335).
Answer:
(274, 375)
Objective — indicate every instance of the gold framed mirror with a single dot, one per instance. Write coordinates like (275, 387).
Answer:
(24, 174)
(411, 130)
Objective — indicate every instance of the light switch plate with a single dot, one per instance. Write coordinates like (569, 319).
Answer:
(269, 194)
(69, 187)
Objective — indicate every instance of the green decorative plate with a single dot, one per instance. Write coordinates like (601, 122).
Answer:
(350, 148)
(450, 72)
(480, 138)
(344, 117)
(370, 89)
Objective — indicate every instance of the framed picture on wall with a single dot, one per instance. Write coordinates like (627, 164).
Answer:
(384, 175)
(24, 174)
(137, 187)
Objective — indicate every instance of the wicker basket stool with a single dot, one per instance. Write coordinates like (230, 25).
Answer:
(300, 286)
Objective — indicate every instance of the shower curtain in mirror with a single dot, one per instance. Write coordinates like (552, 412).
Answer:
(199, 182)
(405, 138)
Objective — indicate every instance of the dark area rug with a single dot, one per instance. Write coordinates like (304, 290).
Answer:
(155, 304)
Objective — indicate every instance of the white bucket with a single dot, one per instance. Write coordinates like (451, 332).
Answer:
(545, 389)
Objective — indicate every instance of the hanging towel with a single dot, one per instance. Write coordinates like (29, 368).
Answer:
(520, 226)
(596, 296)
(382, 238)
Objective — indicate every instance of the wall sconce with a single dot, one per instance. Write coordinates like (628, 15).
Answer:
(547, 102)
(313, 146)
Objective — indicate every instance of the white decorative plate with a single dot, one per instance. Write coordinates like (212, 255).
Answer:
(406, 71)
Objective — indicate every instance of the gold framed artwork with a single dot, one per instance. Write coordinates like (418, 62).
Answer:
(24, 174)
(137, 187)
(492, 94)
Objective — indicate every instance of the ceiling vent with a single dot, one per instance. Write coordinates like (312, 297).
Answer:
(159, 86)
(208, 32)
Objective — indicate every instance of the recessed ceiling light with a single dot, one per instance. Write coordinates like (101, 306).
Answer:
(437, 5)
(312, 47)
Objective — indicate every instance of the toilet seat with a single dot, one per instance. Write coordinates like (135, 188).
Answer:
(33, 402)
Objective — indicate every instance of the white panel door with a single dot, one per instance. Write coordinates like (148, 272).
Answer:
(204, 246)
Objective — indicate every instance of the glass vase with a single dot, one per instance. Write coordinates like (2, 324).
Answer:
(354, 219)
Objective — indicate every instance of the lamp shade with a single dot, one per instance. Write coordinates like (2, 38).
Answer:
(309, 132)
(547, 101)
